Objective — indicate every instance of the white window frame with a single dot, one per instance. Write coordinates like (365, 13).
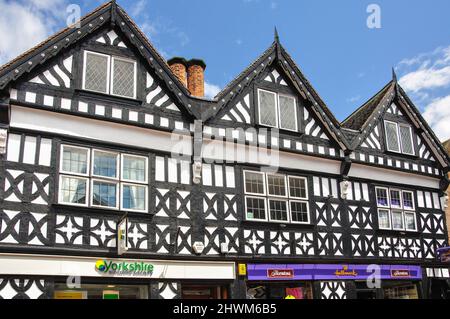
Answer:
(398, 137)
(415, 220)
(122, 155)
(264, 183)
(306, 187)
(387, 194)
(410, 135)
(276, 108)
(279, 112)
(277, 199)
(61, 160)
(414, 204)
(113, 58)
(60, 197)
(307, 212)
(117, 165)
(104, 181)
(108, 71)
(392, 219)
(401, 198)
(389, 218)
(265, 209)
(285, 185)
(130, 209)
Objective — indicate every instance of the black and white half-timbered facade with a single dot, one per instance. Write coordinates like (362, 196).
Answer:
(118, 180)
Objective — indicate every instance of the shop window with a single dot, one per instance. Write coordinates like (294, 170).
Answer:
(401, 291)
(297, 290)
(107, 291)
(276, 198)
(395, 209)
(114, 180)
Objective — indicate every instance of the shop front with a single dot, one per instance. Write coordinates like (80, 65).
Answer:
(72, 277)
(333, 281)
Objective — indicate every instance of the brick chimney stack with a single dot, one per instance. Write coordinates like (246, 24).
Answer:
(196, 77)
(178, 67)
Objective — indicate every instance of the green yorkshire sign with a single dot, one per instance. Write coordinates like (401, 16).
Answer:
(124, 267)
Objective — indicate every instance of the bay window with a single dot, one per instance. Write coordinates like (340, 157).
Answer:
(395, 209)
(113, 180)
(276, 198)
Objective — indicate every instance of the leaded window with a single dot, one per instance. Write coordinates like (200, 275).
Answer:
(399, 138)
(277, 110)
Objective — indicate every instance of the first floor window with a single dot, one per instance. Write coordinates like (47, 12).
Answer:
(278, 210)
(384, 219)
(410, 221)
(299, 212)
(73, 190)
(397, 220)
(134, 197)
(255, 208)
(75, 160)
(104, 194)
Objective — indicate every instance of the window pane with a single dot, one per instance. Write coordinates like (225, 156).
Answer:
(278, 210)
(267, 108)
(104, 194)
(410, 221)
(397, 220)
(134, 168)
(395, 198)
(105, 164)
(123, 81)
(405, 137)
(382, 197)
(299, 212)
(288, 119)
(408, 200)
(73, 190)
(256, 208)
(391, 137)
(96, 73)
(74, 160)
(297, 187)
(383, 218)
(134, 197)
(254, 183)
(276, 185)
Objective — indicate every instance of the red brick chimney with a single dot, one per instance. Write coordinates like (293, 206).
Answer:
(196, 77)
(178, 67)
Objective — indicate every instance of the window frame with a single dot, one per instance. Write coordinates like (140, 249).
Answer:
(275, 105)
(264, 183)
(307, 212)
(108, 71)
(91, 195)
(61, 160)
(306, 187)
(101, 176)
(389, 218)
(411, 137)
(288, 219)
(265, 209)
(60, 197)
(402, 218)
(387, 194)
(122, 155)
(285, 185)
(415, 220)
(130, 209)
(279, 111)
(414, 204)
(113, 58)
(401, 199)
(397, 134)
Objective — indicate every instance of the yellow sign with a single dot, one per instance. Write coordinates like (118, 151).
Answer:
(70, 294)
(242, 269)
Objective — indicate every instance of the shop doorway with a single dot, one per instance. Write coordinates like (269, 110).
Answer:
(272, 290)
(440, 289)
(204, 292)
(364, 292)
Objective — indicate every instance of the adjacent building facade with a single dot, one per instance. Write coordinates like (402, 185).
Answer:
(119, 180)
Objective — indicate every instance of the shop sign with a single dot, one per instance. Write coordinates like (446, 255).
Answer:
(280, 273)
(444, 254)
(122, 236)
(110, 267)
(345, 272)
(396, 273)
(242, 269)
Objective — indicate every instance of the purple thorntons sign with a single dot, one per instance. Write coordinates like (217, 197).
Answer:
(330, 272)
(444, 254)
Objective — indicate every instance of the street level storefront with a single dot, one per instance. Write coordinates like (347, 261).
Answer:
(69, 277)
(333, 281)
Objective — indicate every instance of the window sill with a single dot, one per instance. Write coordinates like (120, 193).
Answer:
(277, 224)
(99, 210)
(108, 97)
(397, 232)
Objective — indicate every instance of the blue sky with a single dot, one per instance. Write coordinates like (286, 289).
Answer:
(346, 61)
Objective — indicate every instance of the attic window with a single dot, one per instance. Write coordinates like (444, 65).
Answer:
(399, 138)
(277, 110)
(109, 74)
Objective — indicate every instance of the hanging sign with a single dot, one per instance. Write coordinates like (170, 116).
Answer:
(444, 254)
(122, 236)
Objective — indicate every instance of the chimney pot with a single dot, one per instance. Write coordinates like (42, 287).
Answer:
(178, 67)
(196, 77)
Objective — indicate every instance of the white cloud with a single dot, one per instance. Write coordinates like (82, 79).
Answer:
(354, 99)
(23, 24)
(437, 114)
(211, 90)
(426, 78)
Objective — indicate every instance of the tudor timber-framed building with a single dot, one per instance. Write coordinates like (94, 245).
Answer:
(86, 122)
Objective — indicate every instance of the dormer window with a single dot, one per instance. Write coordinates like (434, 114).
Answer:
(277, 110)
(109, 74)
(399, 138)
